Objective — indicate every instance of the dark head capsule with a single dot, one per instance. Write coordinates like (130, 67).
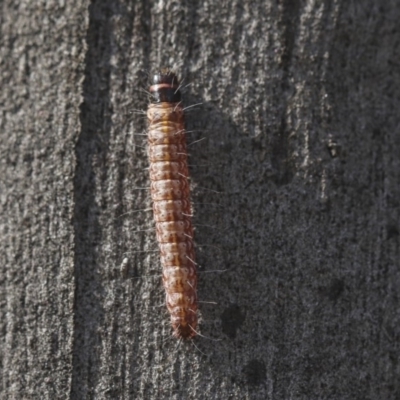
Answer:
(165, 87)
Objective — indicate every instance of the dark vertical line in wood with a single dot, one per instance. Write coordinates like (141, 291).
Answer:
(91, 151)
(280, 145)
(284, 174)
(145, 30)
(192, 17)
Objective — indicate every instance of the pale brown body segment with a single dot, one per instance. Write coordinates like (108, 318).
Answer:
(171, 202)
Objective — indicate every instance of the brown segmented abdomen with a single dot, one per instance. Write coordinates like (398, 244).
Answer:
(171, 201)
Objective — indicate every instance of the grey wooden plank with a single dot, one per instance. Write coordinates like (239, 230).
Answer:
(300, 118)
(42, 54)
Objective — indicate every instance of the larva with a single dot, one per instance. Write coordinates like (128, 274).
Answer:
(171, 201)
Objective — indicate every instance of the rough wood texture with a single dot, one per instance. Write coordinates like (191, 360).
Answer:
(300, 114)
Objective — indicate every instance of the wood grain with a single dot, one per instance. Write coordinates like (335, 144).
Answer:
(295, 191)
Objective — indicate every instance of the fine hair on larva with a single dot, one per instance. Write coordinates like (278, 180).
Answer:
(170, 193)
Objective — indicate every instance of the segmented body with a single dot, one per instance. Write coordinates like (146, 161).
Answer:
(171, 201)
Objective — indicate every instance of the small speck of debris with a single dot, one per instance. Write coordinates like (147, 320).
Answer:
(124, 266)
(333, 147)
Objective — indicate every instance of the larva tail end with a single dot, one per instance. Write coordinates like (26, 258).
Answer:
(184, 331)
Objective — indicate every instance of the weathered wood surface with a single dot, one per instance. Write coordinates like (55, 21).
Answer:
(301, 119)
